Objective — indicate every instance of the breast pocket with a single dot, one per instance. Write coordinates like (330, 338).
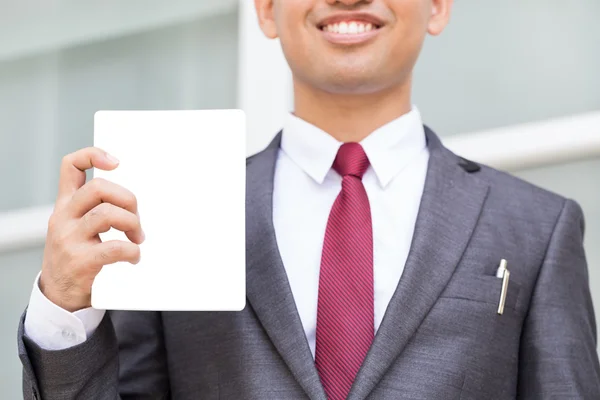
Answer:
(483, 289)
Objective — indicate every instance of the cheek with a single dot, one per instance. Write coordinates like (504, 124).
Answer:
(294, 46)
(410, 28)
(407, 43)
(300, 44)
(412, 15)
(290, 17)
(292, 28)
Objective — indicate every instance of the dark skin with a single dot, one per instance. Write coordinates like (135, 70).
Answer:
(351, 89)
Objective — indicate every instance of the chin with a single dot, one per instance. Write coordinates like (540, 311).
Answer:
(352, 83)
(348, 76)
(356, 74)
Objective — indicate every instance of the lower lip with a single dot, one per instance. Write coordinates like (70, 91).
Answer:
(350, 39)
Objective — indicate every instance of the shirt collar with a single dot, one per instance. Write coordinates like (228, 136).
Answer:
(389, 148)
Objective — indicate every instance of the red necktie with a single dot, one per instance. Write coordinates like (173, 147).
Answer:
(345, 314)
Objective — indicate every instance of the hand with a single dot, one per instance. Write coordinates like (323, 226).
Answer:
(74, 253)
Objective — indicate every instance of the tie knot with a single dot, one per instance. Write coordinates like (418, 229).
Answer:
(352, 160)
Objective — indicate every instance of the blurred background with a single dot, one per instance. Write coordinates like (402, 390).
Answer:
(513, 84)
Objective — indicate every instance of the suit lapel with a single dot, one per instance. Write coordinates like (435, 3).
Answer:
(450, 207)
(268, 289)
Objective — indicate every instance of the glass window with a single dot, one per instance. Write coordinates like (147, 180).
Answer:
(47, 101)
(509, 62)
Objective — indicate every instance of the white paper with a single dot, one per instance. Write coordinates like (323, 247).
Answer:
(188, 172)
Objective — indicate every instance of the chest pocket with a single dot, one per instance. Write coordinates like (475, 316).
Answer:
(483, 289)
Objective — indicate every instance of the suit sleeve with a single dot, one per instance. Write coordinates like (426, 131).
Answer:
(123, 359)
(558, 357)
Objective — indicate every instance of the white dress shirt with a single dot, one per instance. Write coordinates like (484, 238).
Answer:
(304, 192)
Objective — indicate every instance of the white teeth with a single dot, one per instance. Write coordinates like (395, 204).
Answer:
(349, 28)
(343, 28)
(353, 28)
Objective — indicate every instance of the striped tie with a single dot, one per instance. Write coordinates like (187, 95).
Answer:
(345, 314)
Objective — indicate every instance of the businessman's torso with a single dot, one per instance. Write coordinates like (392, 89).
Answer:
(441, 337)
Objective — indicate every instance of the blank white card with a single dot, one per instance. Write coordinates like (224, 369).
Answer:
(188, 172)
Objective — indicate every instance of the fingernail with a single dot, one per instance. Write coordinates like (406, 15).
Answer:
(143, 236)
(112, 159)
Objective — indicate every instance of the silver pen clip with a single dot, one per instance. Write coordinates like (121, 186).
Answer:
(503, 273)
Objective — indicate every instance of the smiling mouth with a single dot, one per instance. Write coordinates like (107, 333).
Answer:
(350, 32)
(349, 27)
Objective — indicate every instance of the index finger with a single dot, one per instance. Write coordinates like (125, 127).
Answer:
(74, 165)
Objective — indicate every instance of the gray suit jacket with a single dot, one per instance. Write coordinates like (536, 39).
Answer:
(441, 337)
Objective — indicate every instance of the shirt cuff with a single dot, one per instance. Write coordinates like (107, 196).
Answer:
(53, 328)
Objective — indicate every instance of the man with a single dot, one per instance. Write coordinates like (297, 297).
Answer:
(373, 253)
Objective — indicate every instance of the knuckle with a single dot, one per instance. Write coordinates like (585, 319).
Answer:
(96, 187)
(104, 255)
(93, 213)
(96, 216)
(131, 200)
(115, 250)
(105, 208)
(67, 160)
(100, 211)
(97, 184)
(52, 223)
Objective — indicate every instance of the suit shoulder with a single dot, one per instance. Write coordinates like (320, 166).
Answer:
(515, 196)
(267, 151)
(250, 158)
